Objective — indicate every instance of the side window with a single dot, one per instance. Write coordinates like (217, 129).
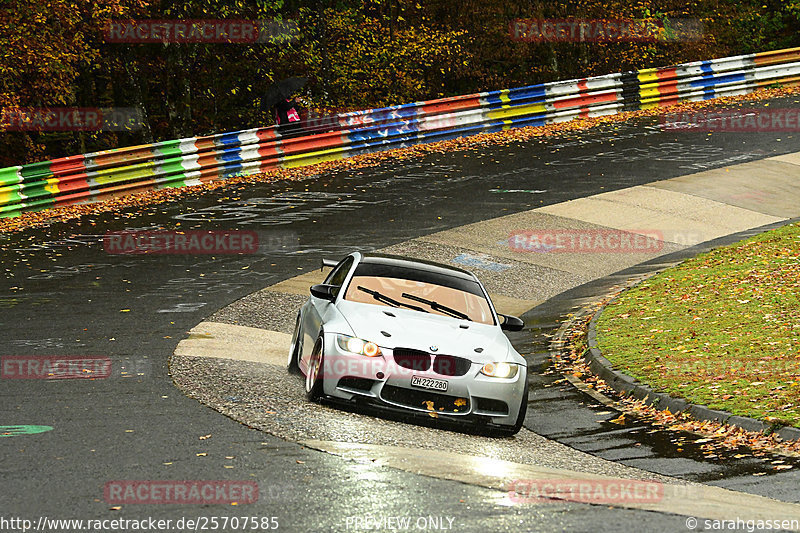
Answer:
(339, 272)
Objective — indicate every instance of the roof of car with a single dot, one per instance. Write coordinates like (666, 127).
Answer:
(419, 264)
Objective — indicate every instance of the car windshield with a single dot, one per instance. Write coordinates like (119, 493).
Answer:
(419, 290)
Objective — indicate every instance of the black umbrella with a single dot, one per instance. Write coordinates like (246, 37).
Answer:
(283, 90)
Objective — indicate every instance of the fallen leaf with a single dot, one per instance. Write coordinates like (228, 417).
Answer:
(619, 420)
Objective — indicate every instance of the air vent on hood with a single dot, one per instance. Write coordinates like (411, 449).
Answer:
(479, 350)
(386, 334)
(387, 313)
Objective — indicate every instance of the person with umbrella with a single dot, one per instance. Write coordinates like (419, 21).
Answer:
(287, 115)
(288, 106)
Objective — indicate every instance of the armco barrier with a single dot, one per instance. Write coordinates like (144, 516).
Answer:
(195, 160)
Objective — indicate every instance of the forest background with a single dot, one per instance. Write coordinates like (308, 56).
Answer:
(355, 54)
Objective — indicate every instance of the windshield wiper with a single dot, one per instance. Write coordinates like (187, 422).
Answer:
(436, 306)
(391, 301)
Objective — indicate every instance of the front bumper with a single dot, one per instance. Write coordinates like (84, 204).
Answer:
(380, 381)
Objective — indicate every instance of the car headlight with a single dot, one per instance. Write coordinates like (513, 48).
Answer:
(499, 370)
(356, 345)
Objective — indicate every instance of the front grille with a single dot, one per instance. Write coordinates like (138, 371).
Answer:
(417, 399)
(446, 365)
(450, 365)
(412, 359)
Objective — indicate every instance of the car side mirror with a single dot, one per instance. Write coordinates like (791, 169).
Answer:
(510, 323)
(325, 292)
(330, 263)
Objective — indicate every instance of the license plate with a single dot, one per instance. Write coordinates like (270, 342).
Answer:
(429, 383)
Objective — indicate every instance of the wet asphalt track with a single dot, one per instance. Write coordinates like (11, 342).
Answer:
(62, 294)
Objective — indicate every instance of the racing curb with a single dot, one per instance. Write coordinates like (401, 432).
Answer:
(627, 385)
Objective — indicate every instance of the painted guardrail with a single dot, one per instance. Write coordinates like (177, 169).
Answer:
(195, 160)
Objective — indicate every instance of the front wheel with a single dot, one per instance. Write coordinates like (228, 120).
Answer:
(315, 373)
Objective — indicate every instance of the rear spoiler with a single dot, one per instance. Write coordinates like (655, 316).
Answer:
(329, 263)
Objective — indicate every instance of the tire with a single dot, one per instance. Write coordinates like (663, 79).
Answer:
(293, 364)
(315, 375)
(510, 431)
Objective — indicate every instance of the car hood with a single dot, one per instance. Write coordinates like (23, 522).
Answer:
(421, 331)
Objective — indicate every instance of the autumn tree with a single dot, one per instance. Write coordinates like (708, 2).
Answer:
(355, 54)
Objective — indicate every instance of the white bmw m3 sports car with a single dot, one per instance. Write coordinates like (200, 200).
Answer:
(413, 336)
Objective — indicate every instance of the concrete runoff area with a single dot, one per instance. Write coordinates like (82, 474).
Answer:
(769, 186)
(685, 210)
(693, 500)
(242, 343)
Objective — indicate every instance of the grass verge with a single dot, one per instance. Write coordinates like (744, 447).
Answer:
(721, 329)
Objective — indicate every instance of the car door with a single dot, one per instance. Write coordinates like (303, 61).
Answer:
(316, 307)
